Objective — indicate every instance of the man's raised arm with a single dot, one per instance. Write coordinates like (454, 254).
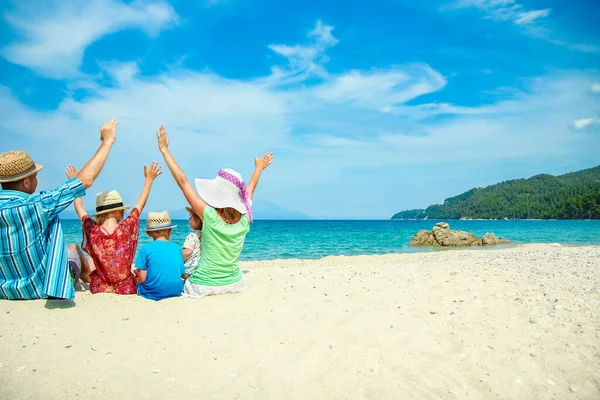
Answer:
(91, 170)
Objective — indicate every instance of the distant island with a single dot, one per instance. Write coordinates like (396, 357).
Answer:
(575, 195)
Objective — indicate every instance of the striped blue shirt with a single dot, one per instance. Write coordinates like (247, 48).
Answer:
(33, 256)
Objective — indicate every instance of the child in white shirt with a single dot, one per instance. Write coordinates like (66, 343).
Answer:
(192, 247)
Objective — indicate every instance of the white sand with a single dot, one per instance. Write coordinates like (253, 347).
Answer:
(521, 323)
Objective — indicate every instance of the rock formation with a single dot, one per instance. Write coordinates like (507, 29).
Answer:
(441, 235)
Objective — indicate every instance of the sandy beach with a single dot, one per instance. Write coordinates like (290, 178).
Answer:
(518, 323)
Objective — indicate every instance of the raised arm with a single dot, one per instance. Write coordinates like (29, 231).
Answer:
(259, 166)
(91, 170)
(150, 174)
(186, 187)
(71, 173)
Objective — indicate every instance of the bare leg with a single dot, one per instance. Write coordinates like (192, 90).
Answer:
(87, 266)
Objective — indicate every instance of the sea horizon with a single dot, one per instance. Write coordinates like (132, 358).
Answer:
(315, 239)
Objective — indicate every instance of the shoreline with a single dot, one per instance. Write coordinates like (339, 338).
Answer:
(512, 323)
(433, 250)
(427, 250)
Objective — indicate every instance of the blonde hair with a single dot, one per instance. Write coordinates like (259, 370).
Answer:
(118, 215)
(161, 232)
(229, 215)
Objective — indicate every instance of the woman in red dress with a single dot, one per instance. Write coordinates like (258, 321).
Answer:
(110, 240)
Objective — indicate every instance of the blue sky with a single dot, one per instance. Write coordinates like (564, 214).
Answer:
(370, 107)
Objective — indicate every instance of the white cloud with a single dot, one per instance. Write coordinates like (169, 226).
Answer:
(531, 21)
(122, 73)
(586, 48)
(381, 88)
(595, 88)
(585, 122)
(214, 122)
(322, 34)
(505, 10)
(527, 17)
(305, 60)
(53, 35)
(323, 133)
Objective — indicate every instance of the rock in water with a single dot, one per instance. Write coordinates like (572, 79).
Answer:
(446, 237)
(423, 238)
(489, 239)
(442, 235)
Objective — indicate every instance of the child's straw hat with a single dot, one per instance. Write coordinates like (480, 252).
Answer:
(158, 220)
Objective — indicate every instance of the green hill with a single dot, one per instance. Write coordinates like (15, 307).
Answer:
(575, 195)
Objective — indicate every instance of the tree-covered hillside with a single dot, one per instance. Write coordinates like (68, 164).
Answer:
(574, 195)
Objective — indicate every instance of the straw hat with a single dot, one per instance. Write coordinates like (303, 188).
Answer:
(16, 165)
(224, 191)
(159, 220)
(109, 201)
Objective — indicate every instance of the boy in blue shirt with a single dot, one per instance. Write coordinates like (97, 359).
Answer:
(159, 266)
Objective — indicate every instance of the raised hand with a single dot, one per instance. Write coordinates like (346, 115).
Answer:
(108, 132)
(153, 172)
(163, 142)
(264, 162)
(71, 172)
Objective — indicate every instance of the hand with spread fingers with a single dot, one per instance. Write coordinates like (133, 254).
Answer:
(260, 164)
(153, 172)
(264, 161)
(71, 172)
(150, 174)
(190, 193)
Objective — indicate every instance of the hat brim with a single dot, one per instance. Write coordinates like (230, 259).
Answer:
(22, 175)
(111, 210)
(160, 228)
(217, 197)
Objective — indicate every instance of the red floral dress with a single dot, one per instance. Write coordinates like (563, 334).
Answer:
(112, 254)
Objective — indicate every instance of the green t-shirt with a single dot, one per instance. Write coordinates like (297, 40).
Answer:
(222, 245)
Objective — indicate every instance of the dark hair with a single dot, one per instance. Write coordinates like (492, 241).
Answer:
(229, 215)
(12, 185)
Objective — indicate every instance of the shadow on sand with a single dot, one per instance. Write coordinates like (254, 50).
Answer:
(52, 304)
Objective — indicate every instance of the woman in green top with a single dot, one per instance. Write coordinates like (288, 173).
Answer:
(225, 206)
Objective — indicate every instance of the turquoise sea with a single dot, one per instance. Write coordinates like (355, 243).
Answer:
(308, 239)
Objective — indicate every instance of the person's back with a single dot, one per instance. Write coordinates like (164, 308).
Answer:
(164, 265)
(110, 240)
(225, 206)
(113, 254)
(159, 265)
(34, 263)
(32, 242)
(222, 244)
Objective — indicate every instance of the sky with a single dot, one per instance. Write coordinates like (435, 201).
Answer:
(369, 107)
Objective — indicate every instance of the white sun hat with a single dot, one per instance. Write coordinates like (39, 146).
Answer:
(226, 190)
(109, 201)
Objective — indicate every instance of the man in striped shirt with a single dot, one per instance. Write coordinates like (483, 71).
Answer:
(33, 256)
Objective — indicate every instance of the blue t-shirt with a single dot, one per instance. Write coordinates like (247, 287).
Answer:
(164, 265)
